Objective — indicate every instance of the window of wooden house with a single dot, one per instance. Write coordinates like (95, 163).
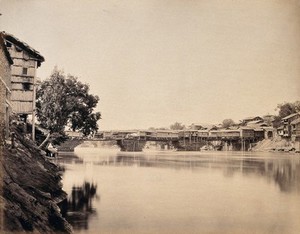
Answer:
(8, 44)
(25, 70)
(25, 55)
(26, 86)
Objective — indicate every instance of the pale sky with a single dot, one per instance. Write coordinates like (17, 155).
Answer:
(154, 62)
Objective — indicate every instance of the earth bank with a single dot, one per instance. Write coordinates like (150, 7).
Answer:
(31, 189)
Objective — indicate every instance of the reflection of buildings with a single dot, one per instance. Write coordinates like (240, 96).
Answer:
(287, 175)
(283, 171)
(78, 207)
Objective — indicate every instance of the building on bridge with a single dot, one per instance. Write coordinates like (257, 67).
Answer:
(202, 126)
(256, 119)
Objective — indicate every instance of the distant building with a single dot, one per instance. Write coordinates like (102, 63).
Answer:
(295, 124)
(287, 126)
(269, 132)
(5, 87)
(201, 126)
(280, 131)
(74, 134)
(23, 74)
(255, 119)
(268, 119)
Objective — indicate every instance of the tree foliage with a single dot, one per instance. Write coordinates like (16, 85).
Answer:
(226, 123)
(285, 109)
(288, 108)
(65, 101)
(177, 126)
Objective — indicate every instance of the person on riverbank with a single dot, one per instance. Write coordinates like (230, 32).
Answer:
(51, 150)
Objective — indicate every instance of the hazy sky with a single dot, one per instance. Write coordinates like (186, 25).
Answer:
(154, 62)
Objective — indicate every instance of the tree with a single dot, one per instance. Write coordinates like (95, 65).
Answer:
(227, 123)
(285, 109)
(64, 101)
(177, 126)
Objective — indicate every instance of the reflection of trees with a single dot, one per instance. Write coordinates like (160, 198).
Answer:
(287, 176)
(78, 207)
(284, 171)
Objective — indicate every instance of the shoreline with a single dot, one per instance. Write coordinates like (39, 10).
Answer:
(31, 191)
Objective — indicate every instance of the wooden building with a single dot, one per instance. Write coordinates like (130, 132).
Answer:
(296, 129)
(23, 74)
(287, 126)
(5, 87)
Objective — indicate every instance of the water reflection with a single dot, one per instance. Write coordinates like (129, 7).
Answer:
(68, 158)
(208, 192)
(283, 169)
(78, 208)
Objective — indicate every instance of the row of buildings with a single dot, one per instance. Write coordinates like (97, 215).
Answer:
(19, 63)
(289, 128)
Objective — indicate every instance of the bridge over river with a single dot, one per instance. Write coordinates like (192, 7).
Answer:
(188, 140)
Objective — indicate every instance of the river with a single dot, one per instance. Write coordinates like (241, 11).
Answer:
(182, 192)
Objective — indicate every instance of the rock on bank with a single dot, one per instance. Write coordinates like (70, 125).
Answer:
(31, 189)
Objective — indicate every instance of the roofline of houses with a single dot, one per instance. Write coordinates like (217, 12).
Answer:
(11, 38)
(291, 115)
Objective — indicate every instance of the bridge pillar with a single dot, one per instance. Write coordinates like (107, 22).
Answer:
(187, 145)
(131, 145)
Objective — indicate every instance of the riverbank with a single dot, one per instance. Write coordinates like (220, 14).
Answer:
(31, 190)
(276, 144)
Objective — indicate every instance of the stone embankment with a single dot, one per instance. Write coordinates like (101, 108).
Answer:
(276, 144)
(31, 190)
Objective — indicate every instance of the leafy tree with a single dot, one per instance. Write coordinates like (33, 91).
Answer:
(285, 109)
(226, 123)
(177, 126)
(64, 101)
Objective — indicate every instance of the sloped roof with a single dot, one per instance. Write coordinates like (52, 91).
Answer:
(252, 117)
(263, 124)
(11, 38)
(9, 59)
(233, 127)
(254, 122)
(296, 121)
(291, 116)
(204, 125)
(268, 128)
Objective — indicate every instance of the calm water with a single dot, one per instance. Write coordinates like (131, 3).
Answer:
(182, 192)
